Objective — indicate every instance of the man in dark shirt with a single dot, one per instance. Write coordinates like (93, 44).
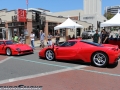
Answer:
(96, 37)
(105, 37)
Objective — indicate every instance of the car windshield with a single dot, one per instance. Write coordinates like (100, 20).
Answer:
(67, 44)
(9, 42)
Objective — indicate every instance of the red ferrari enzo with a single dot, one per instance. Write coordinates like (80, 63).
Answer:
(98, 54)
(9, 48)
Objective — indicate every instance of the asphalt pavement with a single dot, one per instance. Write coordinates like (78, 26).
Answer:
(19, 66)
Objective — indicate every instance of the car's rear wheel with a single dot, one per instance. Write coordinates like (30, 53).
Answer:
(49, 54)
(100, 59)
(8, 52)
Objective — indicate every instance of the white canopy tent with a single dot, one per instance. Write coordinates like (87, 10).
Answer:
(115, 21)
(68, 24)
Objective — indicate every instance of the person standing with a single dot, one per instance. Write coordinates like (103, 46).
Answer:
(12, 38)
(32, 36)
(49, 42)
(22, 39)
(101, 36)
(96, 37)
(73, 37)
(57, 38)
(15, 39)
(42, 38)
(105, 37)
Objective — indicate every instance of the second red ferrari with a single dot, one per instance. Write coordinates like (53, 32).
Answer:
(9, 48)
(72, 50)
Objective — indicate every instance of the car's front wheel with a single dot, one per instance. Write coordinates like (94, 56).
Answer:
(8, 52)
(99, 59)
(49, 54)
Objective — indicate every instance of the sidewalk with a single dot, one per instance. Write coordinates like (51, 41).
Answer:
(37, 43)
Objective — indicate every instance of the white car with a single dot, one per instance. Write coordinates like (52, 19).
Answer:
(89, 33)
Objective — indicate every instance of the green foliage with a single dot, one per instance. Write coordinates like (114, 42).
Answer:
(108, 15)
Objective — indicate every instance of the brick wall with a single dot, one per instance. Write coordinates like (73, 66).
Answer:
(29, 28)
(6, 26)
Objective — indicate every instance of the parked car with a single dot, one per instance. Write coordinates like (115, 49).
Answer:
(88, 34)
(9, 48)
(81, 50)
(85, 35)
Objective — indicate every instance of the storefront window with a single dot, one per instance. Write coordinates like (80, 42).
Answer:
(15, 31)
(21, 31)
(78, 31)
(51, 30)
(62, 32)
(2, 33)
(51, 26)
(36, 32)
(0, 29)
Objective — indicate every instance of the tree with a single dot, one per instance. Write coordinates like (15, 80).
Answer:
(108, 15)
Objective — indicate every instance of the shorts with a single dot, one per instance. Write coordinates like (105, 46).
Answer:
(42, 42)
(49, 43)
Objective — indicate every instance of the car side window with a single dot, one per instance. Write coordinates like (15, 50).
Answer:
(68, 44)
(63, 44)
(1, 42)
(9, 42)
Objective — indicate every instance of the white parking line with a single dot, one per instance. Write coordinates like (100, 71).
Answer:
(93, 71)
(32, 61)
(6, 59)
(39, 75)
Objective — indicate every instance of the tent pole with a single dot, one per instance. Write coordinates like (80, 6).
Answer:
(75, 32)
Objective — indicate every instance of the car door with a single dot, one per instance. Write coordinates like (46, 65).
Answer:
(66, 50)
(2, 46)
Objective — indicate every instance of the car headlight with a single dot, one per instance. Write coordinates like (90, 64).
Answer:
(18, 49)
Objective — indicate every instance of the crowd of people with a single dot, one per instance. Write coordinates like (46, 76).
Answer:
(17, 39)
(21, 39)
(102, 38)
(97, 38)
(42, 39)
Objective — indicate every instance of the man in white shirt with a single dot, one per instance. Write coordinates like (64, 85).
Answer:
(42, 38)
(32, 36)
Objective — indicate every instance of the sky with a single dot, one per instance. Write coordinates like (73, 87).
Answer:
(52, 5)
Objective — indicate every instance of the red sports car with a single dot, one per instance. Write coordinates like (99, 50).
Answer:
(9, 48)
(98, 54)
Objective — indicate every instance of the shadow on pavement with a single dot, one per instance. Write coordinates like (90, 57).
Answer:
(23, 55)
(86, 64)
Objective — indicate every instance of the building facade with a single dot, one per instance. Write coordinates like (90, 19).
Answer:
(92, 13)
(92, 6)
(113, 9)
(46, 23)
